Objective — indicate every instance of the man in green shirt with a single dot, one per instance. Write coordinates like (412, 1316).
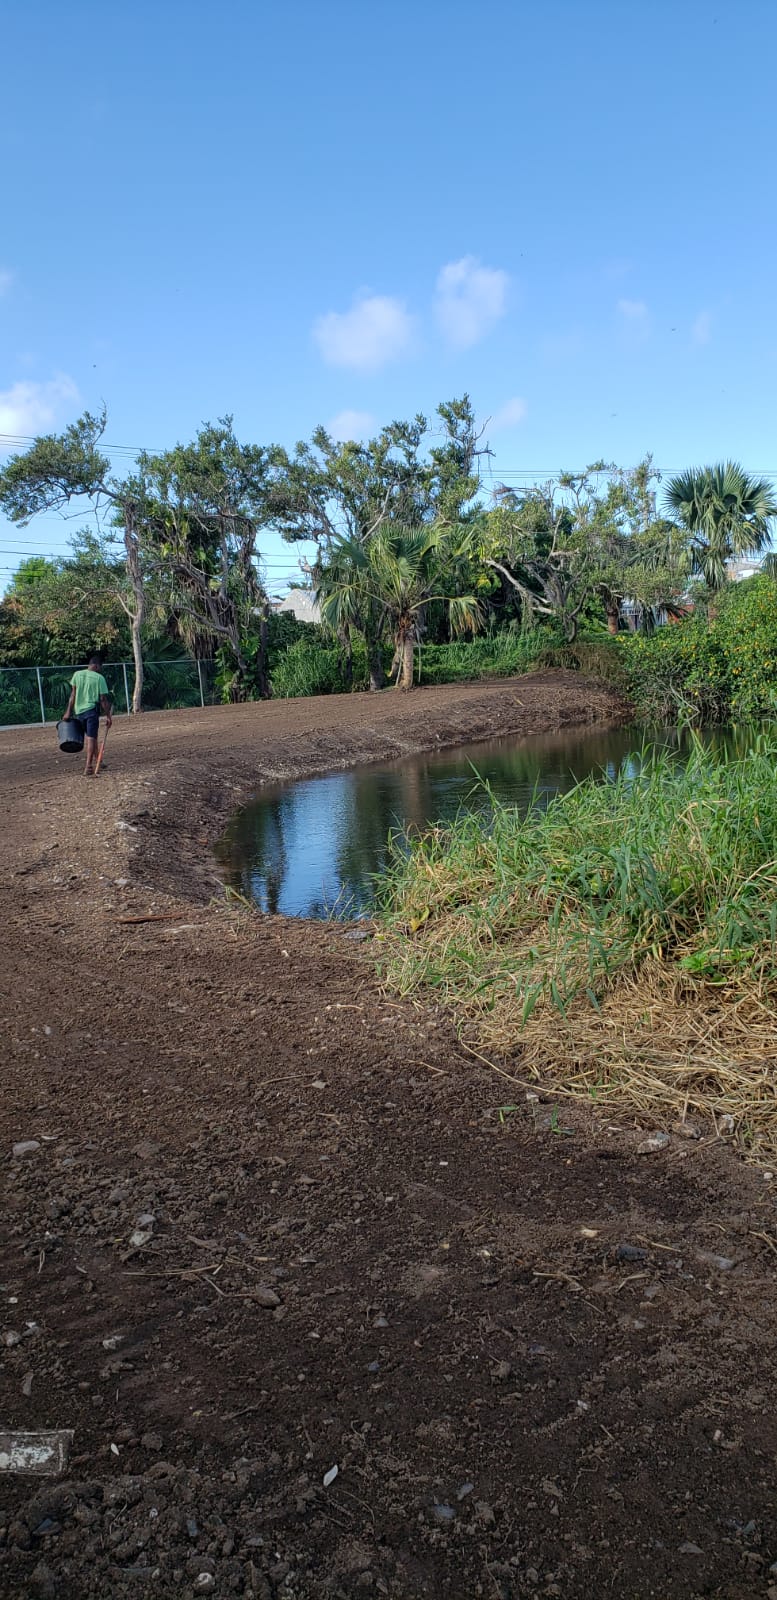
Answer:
(88, 697)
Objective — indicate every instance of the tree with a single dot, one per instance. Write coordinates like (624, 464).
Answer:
(400, 572)
(59, 468)
(207, 500)
(592, 536)
(726, 512)
(59, 611)
(340, 494)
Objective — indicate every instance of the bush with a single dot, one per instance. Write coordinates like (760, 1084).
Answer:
(700, 672)
(310, 668)
(503, 655)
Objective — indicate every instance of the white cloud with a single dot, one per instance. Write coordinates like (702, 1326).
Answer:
(635, 312)
(701, 329)
(376, 330)
(510, 414)
(469, 300)
(351, 425)
(6, 279)
(31, 408)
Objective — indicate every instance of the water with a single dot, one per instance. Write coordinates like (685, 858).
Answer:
(312, 848)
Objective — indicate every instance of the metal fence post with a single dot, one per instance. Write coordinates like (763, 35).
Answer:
(199, 675)
(40, 696)
(126, 685)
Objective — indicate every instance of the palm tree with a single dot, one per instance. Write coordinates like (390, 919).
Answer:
(726, 512)
(396, 575)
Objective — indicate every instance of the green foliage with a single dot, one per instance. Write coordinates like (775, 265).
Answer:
(503, 655)
(671, 862)
(727, 513)
(699, 672)
(58, 611)
(308, 667)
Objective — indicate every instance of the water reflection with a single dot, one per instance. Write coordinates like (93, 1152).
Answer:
(311, 849)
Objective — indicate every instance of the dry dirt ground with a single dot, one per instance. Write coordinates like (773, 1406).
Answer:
(275, 1224)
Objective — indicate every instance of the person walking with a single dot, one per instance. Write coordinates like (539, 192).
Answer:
(89, 697)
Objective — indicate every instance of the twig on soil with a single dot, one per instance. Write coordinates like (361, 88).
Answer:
(153, 916)
(766, 1239)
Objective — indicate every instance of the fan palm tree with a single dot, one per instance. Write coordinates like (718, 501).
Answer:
(396, 575)
(726, 512)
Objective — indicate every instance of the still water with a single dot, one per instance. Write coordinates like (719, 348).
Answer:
(312, 848)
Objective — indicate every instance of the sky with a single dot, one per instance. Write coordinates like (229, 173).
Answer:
(346, 213)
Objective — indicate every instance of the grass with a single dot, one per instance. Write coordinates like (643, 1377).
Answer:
(618, 944)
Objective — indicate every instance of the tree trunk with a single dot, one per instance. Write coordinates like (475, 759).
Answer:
(139, 608)
(262, 675)
(613, 619)
(375, 658)
(407, 654)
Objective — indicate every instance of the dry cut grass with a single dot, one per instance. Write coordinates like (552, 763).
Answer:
(619, 945)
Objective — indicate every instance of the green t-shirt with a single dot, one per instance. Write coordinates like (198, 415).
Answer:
(88, 686)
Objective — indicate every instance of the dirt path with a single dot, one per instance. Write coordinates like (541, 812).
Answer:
(354, 1260)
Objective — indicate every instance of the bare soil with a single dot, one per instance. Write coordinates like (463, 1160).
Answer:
(345, 1253)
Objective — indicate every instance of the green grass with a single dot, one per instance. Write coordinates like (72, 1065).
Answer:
(674, 862)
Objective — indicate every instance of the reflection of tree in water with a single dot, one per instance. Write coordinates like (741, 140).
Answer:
(255, 847)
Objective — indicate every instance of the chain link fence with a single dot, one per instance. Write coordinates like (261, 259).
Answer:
(40, 694)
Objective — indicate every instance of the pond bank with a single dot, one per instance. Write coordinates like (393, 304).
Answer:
(351, 1260)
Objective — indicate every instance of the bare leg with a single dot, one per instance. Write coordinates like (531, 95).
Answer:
(91, 751)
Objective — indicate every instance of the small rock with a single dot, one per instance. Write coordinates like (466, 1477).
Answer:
(12, 1337)
(708, 1258)
(685, 1130)
(26, 1147)
(329, 1477)
(146, 1149)
(374, 1366)
(140, 1237)
(689, 1549)
(151, 1441)
(654, 1142)
(443, 1513)
(266, 1298)
(147, 1220)
(380, 1322)
(502, 1370)
(113, 1341)
(192, 1528)
(484, 1512)
(27, 1384)
(204, 1583)
(465, 1489)
(357, 934)
(726, 1123)
(630, 1252)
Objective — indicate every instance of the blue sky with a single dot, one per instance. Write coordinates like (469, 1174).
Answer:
(345, 213)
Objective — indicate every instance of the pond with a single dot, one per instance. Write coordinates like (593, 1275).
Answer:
(312, 848)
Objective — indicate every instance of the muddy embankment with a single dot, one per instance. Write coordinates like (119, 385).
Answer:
(273, 1223)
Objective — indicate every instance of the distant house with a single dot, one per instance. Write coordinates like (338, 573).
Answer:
(739, 570)
(302, 605)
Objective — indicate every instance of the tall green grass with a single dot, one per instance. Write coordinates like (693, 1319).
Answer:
(670, 863)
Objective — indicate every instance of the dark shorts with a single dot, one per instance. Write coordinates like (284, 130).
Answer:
(89, 722)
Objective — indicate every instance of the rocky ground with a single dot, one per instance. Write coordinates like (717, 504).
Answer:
(272, 1223)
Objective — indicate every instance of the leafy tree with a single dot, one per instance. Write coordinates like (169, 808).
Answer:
(207, 501)
(60, 468)
(726, 511)
(563, 545)
(399, 572)
(339, 495)
(61, 610)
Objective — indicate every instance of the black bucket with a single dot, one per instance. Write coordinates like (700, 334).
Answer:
(70, 737)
